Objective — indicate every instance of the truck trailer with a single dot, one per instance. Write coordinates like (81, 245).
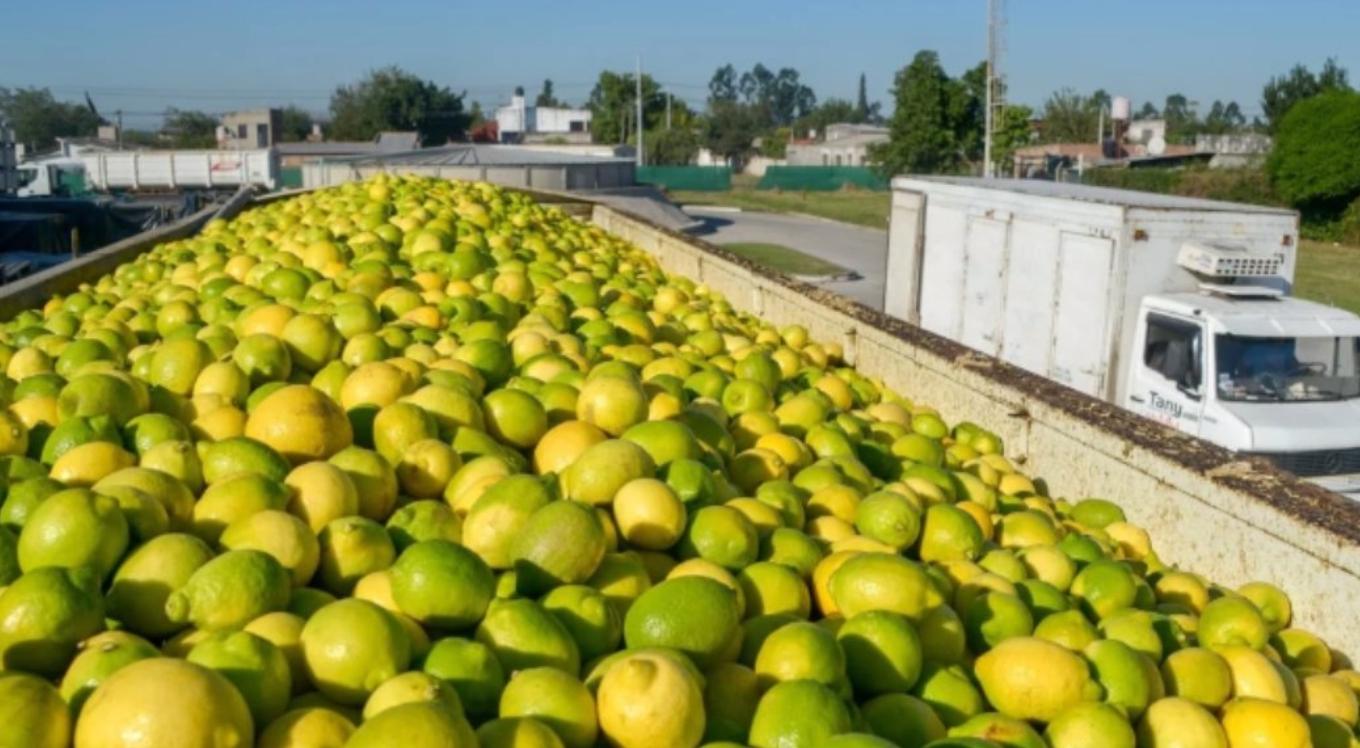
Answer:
(150, 171)
(1177, 309)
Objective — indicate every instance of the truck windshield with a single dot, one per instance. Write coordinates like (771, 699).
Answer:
(1287, 369)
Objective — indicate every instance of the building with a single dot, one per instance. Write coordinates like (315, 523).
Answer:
(522, 122)
(1146, 132)
(1237, 150)
(308, 151)
(255, 128)
(1058, 160)
(843, 144)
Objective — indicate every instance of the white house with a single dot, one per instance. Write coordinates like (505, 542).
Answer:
(522, 122)
(844, 144)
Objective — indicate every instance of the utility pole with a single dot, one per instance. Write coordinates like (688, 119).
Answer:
(996, 87)
(641, 125)
(668, 111)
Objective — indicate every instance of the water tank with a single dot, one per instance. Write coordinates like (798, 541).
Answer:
(1120, 108)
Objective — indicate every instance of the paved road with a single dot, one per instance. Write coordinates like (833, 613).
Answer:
(861, 249)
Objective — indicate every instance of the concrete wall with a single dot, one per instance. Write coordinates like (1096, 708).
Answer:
(1206, 510)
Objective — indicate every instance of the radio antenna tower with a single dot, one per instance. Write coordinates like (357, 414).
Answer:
(996, 82)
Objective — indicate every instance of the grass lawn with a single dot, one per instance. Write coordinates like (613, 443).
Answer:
(861, 207)
(784, 259)
(1329, 274)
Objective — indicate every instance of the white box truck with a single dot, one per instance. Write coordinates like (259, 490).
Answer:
(151, 171)
(1174, 308)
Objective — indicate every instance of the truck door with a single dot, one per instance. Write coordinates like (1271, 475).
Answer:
(1167, 383)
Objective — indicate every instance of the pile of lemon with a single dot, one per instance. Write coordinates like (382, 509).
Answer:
(421, 463)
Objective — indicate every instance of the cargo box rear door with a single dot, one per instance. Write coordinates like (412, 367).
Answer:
(1081, 349)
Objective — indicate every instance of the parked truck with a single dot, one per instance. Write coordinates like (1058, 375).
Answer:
(1177, 309)
(149, 171)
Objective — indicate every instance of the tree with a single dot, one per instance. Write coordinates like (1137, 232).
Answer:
(1070, 117)
(1283, 92)
(968, 111)
(732, 127)
(922, 138)
(1224, 119)
(296, 124)
(828, 112)
(393, 99)
(1182, 121)
(39, 119)
(189, 129)
(861, 113)
(674, 147)
(1149, 111)
(545, 97)
(1013, 132)
(723, 85)
(781, 94)
(1313, 164)
(613, 106)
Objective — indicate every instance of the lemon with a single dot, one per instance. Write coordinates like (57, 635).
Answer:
(321, 492)
(43, 614)
(148, 576)
(374, 480)
(722, 535)
(1033, 679)
(86, 464)
(889, 518)
(621, 578)
(1179, 723)
(562, 542)
(473, 671)
(230, 590)
(351, 647)
(769, 588)
(1325, 695)
(409, 687)
(649, 700)
(74, 528)
(233, 499)
(442, 584)
(422, 724)
(497, 518)
(99, 657)
(1232, 621)
(593, 622)
(517, 732)
(256, 667)
(555, 698)
(424, 520)
(612, 404)
(999, 728)
(350, 548)
(1090, 723)
(426, 467)
(649, 514)
(800, 651)
(562, 444)
(1256, 722)
(882, 652)
(878, 581)
(797, 713)
(283, 536)
(598, 473)
(300, 423)
(731, 693)
(694, 615)
(307, 727)
(903, 719)
(163, 701)
(284, 630)
(1198, 675)
(524, 635)
(33, 713)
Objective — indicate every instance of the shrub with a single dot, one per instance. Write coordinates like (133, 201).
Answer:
(1314, 165)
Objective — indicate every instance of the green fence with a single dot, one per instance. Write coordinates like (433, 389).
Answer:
(821, 178)
(289, 177)
(697, 178)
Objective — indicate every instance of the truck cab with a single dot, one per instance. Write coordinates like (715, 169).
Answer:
(1244, 366)
(56, 177)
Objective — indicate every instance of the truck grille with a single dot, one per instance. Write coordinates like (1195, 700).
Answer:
(1317, 463)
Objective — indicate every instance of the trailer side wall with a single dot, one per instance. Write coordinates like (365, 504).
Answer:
(1206, 511)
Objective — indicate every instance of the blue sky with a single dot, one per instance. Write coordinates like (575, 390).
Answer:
(143, 56)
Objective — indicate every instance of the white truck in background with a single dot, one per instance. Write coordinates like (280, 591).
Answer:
(150, 171)
(1174, 308)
